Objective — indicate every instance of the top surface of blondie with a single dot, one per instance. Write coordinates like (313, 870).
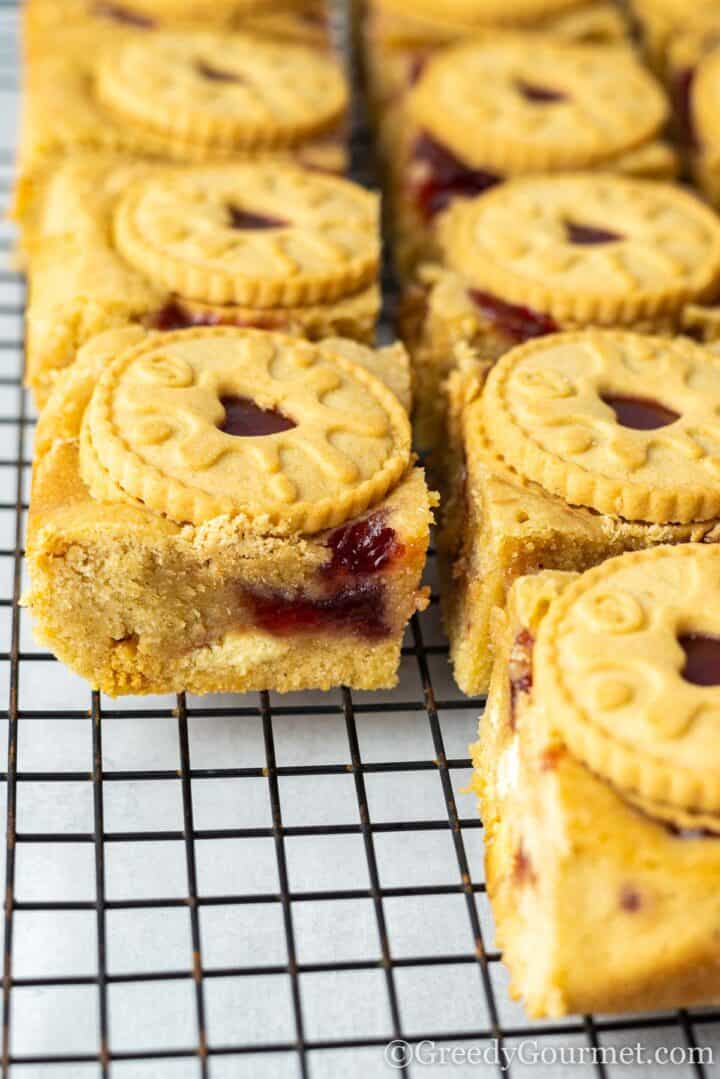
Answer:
(221, 88)
(622, 423)
(222, 421)
(257, 233)
(515, 105)
(627, 662)
(592, 248)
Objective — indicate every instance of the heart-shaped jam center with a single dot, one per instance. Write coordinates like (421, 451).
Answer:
(539, 95)
(216, 74)
(246, 219)
(578, 233)
(702, 659)
(245, 419)
(640, 413)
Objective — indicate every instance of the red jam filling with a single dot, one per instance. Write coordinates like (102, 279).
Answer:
(245, 419)
(702, 659)
(417, 66)
(682, 101)
(359, 549)
(523, 871)
(444, 177)
(520, 669)
(639, 413)
(122, 15)
(173, 316)
(519, 323)
(540, 95)
(362, 547)
(216, 74)
(246, 219)
(589, 234)
(356, 608)
(630, 899)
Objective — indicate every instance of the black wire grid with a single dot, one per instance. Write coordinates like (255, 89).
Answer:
(398, 893)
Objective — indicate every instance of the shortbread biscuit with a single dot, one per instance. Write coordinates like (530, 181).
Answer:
(610, 659)
(154, 430)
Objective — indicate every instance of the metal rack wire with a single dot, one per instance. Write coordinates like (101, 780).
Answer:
(241, 886)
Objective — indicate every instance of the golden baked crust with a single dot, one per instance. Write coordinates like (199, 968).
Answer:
(137, 602)
(498, 525)
(557, 879)
(111, 242)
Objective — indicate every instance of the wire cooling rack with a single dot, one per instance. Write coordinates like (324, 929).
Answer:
(246, 886)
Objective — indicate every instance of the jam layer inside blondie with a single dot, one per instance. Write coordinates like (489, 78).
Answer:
(365, 546)
(518, 322)
(444, 177)
(175, 316)
(355, 608)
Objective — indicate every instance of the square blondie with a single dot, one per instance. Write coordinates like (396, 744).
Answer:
(221, 510)
(538, 255)
(182, 96)
(578, 855)
(259, 244)
(510, 105)
(572, 449)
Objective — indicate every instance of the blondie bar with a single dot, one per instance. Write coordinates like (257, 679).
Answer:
(257, 243)
(597, 771)
(574, 448)
(508, 106)
(219, 509)
(180, 96)
(538, 255)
